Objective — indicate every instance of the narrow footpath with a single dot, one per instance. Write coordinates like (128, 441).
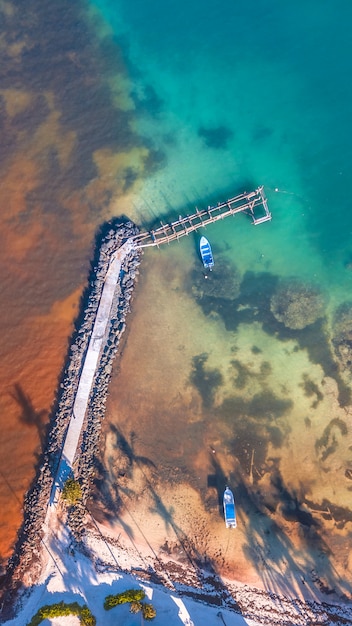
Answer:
(89, 370)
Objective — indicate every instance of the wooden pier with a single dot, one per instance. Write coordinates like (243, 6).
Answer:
(253, 204)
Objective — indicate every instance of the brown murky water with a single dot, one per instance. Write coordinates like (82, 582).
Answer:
(62, 133)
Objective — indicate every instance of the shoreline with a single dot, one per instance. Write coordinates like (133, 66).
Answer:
(102, 564)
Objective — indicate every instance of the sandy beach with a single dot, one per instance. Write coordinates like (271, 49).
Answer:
(181, 590)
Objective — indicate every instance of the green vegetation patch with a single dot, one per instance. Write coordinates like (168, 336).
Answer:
(61, 609)
(134, 597)
(130, 595)
(72, 491)
(148, 611)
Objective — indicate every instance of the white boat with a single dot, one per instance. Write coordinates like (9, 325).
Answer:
(229, 509)
(206, 253)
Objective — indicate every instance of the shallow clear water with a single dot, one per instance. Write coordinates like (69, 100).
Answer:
(236, 96)
(148, 110)
(245, 94)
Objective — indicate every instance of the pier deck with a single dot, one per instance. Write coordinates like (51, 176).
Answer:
(90, 366)
(253, 204)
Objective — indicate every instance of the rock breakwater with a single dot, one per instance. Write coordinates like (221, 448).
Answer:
(24, 565)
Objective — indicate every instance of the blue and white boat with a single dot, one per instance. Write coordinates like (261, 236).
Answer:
(206, 253)
(229, 509)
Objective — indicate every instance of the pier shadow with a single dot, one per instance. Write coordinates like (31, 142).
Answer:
(202, 200)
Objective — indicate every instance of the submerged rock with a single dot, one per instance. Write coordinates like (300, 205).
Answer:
(216, 137)
(296, 304)
(342, 335)
(223, 282)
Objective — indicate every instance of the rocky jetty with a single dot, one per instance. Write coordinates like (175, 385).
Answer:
(23, 565)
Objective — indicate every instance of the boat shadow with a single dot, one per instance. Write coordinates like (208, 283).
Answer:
(217, 480)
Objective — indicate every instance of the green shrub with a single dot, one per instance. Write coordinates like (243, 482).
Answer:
(148, 611)
(86, 617)
(72, 491)
(130, 595)
(62, 610)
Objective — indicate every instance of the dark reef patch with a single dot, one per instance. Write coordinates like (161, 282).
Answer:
(222, 283)
(296, 304)
(342, 335)
(311, 389)
(156, 159)
(255, 423)
(147, 101)
(256, 350)
(291, 506)
(216, 137)
(261, 133)
(328, 443)
(204, 379)
(244, 374)
(253, 304)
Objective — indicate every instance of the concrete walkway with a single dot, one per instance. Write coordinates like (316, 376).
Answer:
(90, 365)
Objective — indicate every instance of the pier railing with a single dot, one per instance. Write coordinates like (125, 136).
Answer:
(254, 204)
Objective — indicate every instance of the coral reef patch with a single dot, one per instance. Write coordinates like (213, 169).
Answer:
(296, 304)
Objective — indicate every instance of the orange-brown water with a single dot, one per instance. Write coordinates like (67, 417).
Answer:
(67, 150)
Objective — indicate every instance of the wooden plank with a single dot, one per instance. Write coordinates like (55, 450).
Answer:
(245, 202)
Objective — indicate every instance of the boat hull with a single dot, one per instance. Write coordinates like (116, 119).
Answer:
(229, 509)
(206, 253)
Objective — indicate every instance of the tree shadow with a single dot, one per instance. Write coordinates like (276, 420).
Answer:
(205, 569)
(110, 482)
(217, 480)
(285, 568)
(127, 447)
(29, 415)
(113, 494)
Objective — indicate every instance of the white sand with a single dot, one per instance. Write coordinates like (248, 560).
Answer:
(116, 565)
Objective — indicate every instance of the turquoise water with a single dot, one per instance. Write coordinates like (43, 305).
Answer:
(240, 94)
(230, 96)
